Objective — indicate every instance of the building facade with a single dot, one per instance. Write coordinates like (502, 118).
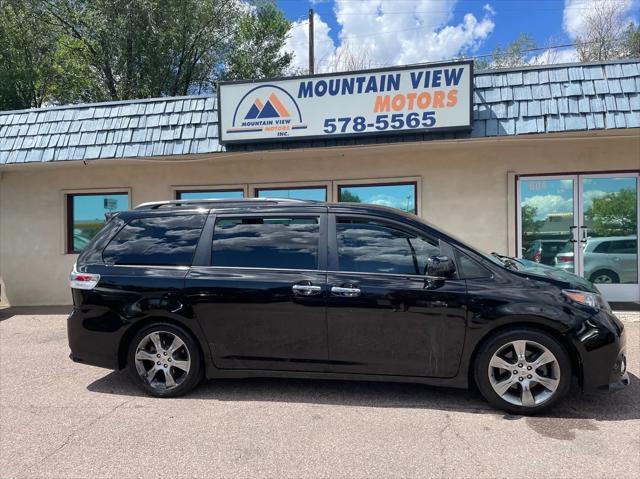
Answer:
(549, 172)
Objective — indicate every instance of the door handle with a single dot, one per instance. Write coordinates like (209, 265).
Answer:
(345, 292)
(572, 231)
(306, 289)
(584, 234)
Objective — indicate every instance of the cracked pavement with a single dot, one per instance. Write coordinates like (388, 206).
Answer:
(60, 419)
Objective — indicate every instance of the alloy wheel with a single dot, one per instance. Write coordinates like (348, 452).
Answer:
(524, 373)
(162, 360)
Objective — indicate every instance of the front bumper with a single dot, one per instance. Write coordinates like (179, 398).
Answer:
(601, 343)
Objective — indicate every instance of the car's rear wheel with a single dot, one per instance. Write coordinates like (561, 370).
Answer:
(604, 276)
(522, 371)
(164, 360)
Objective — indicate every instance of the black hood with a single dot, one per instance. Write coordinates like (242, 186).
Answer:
(536, 270)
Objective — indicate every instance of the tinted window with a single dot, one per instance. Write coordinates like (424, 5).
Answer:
(163, 240)
(374, 247)
(623, 247)
(398, 195)
(318, 194)
(86, 216)
(470, 268)
(602, 247)
(283, 242)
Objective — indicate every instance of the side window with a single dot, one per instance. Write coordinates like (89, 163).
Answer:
(266, 242)
(623, 247)
(157, 241)
(602, 247)
(470, 269)
(86, 216)
(367, 246)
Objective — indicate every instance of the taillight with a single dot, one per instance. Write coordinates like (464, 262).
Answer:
(538, 256)
(83, 280)
(564, 259)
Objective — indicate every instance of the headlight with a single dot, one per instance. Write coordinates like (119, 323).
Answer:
(593, 300)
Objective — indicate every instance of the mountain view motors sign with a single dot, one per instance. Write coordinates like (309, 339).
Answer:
(374, 102)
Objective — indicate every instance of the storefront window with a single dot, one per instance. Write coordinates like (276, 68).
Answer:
(300, 193)
(209, 194)
(396, 195)
(86, 216)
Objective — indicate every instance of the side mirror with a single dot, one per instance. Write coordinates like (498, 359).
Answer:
(441, 266)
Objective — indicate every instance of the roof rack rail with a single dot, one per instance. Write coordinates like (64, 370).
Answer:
(153, 205)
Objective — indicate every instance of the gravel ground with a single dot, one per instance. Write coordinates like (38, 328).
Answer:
(60, 419)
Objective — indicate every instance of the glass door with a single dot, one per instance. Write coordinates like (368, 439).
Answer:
(584, 224)
(608, 225)
(547, 217)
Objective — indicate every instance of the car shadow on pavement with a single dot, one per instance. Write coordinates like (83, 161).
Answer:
(620, 406)
(11, 311)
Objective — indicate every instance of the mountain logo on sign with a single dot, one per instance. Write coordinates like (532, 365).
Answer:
(272, 108)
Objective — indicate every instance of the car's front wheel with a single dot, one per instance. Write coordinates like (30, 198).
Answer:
(164, 360)
(522, 371)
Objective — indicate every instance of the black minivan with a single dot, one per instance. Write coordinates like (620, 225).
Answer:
(176, 291)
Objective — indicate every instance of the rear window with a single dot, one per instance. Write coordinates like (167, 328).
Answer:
(156, 241)
(266, 242)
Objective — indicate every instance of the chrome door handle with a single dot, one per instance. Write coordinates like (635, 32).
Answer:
(345, 292)
(306, 289)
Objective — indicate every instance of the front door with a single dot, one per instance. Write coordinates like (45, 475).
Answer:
(384, 315)
(261, 300)
(585, 224)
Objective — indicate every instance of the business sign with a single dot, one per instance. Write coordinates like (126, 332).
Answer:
(374, 102)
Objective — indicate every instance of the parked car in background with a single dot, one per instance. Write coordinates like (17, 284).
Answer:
(544, 251)
(181, 290)
(607, 260)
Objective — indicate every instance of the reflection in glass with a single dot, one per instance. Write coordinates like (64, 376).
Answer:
(160, 240)
(401, 196)
(317, 194)
(372, 247)
(546, 212)
(610, 237)
(87, 215)
(208, 195)
(253, 242)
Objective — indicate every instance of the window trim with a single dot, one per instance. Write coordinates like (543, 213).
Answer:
(204, 259)
(176, 191)
(67, 208)
(255, 188)
(416, 181)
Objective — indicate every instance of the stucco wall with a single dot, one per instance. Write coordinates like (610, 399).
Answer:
(466, 187)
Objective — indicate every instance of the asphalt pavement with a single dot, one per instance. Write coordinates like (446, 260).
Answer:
(61, 419)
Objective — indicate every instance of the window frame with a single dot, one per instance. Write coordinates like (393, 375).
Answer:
(176, 191)
(412, 180)
(333, 263)
(204, 250)
(67, 202)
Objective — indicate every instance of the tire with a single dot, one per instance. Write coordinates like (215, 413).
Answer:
(507, 390)
(596, 278)
(160, 348)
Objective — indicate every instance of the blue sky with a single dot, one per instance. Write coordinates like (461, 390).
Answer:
(428, 30)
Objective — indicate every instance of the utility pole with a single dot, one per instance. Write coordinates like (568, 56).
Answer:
(311, 55)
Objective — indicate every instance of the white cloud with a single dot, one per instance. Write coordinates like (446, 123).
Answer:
(555, 56)
(393, 33)
(549, 204)
(298, 42)
(575, 12)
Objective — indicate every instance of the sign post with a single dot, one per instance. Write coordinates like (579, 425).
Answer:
(372, 102)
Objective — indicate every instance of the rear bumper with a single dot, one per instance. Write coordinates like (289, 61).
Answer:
(91, 342)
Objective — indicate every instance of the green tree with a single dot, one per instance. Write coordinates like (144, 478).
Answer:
(63, 51)
(515, 54)
(259, 39)
(349, 197)
(614, 214)
(530, 225)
